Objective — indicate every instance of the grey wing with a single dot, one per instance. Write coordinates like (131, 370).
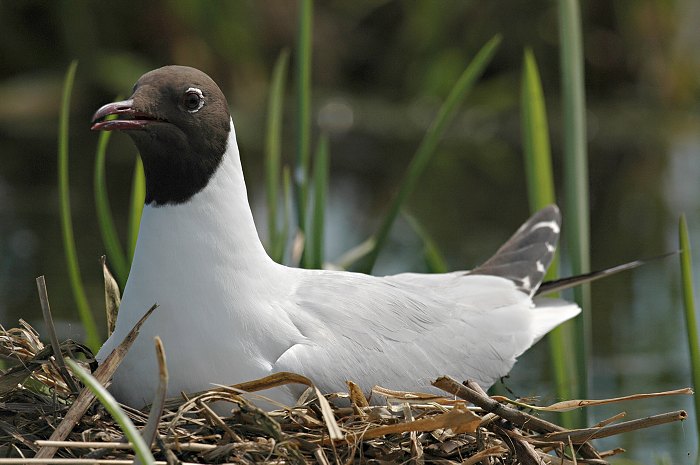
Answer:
(401, 334)
(525, 257)
(402, 331)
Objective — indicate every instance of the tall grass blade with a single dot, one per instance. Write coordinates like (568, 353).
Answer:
(273, 147)
(138, 197)
(110, 238)
(535, 130)
(576, 217)
(540, 184)
(303, 82)
(88, 321)
(348, 258)
(427, 147)
(279, 252)
(321, 167)
(141, 449)
(433, 257)
(690, 312)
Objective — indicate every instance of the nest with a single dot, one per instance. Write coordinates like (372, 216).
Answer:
(46, 416)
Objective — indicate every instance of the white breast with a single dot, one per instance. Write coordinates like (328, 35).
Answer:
(203, 264)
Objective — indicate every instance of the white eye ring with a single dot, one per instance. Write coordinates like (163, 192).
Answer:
(188, 103)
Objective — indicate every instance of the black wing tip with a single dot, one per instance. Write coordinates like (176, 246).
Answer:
(561, 284)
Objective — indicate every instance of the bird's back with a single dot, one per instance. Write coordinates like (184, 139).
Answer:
(403, 331)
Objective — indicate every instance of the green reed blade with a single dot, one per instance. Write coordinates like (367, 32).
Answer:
(278, 254)
(535, 130)
(427, 147)
(110, 238)
(141, 449)
(303, 83)
(273, 146)
(540, 183)
(690, 311)
(433, 257)
(138, 197)
(86, 317)
(320, 180)
(576, 217)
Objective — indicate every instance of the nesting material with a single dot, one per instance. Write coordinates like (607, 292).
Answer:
(41, 421)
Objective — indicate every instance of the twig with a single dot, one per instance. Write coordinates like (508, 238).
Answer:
(12, 431)
(82, 444)
(321, 456)
(216, 420)
(112, 297)
(568, 405)
(571, 448)
(491, 406)
(515, 416)
(484, 454)
(416, 447)
(103, 373)
(151, 429)
(187, 446)
(611, 452)
(612, 419)
(74, 461)
(579, 436)
(283, 377)
(524, 452)
(55, 345)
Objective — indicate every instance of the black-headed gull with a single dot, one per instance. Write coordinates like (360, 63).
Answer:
(228, 313)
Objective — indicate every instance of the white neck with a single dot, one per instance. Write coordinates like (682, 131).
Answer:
(215, 226)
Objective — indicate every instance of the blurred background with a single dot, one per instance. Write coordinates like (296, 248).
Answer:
(380, 71)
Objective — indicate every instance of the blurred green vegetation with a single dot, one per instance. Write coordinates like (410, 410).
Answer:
(379, 73)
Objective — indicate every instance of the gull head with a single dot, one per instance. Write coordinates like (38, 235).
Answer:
(179, 120)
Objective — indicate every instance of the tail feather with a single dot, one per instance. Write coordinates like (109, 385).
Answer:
(550, 313)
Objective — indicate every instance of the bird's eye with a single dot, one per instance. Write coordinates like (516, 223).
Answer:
(193, 100)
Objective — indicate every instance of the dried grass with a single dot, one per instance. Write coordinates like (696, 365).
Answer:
(38, 402)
